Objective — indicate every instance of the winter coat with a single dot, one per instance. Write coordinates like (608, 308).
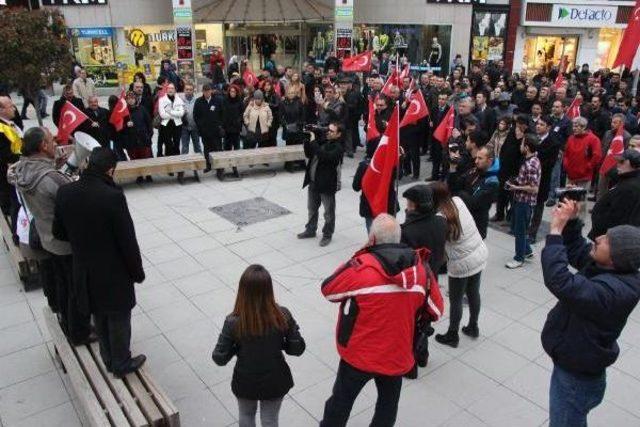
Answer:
(92, 214)
(582, 329)
(140, 134)
(426, 230)
(510, 157)
(497, 141)
(253, 113)
(548, 155)
(381, 289)
(261, 371)
(599, 121)
(208, 115)
(101, 133)
(581, 156)
(292, 118)
(620, 205)
(478, 190)
(232, 111)
(334, 111)
(84, 89)
(324, 165)
(468, 255)
(171, 110)
(38, 181)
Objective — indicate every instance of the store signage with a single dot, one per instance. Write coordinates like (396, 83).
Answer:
(162, 36)
(137, 37)
(73, 2)
(184, 42)
(182, 13)
(584, 16)
(457, 1)
(92, 32)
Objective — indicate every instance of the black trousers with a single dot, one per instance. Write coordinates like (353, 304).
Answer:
(114, 336)
(169, 138)
(231, 141)
(504, 201)
(47, 278)
(211, 144)
(349, 383)
(328, 201)
(74, 323)
(458, 287)
(411, 162)
(436, 159)
(354, 132)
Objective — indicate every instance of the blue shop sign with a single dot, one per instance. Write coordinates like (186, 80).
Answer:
(92, 32)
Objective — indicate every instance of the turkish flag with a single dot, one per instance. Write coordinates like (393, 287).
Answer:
(574, 108)
(249, 77)
(559, 81)
(120, 111)
(391, 81)
(628, 51)
(445, 128)
(162, 92)
(372, 130)
(357, 63)
(379, 174)
(406, 71)
(70, 118)
(615, 149)
(417, 109)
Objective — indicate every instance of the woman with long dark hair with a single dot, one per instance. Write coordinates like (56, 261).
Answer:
(466, 258)
(257, 332)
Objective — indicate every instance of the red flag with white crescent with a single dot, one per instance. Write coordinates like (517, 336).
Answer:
(162, 92)
(406, 71)
(391, 81)
(379, 174)
(120, 111)
(249, 77)
(357, 63)
(70, 118)
(445, 128)
(417, 109)
(628, 53)
(574, 108)
(372, 130)
(615, 149)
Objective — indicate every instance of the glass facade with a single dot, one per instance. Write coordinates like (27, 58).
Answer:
(544, 52)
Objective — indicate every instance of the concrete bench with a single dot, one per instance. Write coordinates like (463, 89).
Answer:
(161, 166)
(104, 400)
(27, 269)
(256, 156)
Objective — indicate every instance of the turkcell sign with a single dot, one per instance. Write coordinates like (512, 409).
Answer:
(584, 16)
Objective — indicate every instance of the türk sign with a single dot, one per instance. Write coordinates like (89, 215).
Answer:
(584, 16)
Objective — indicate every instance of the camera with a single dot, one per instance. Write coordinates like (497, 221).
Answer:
(572, 193)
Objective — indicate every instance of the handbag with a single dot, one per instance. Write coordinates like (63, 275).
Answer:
(35, 242)
(157, 121)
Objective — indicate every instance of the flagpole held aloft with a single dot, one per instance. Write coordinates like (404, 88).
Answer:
(396, 201)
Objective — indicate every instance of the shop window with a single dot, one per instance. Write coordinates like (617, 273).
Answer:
(608, 45)
(93, 49)
(544, 52)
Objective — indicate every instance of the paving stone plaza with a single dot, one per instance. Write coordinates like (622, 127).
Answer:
(193, 258)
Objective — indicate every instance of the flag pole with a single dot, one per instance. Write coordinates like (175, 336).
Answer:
(397, 198)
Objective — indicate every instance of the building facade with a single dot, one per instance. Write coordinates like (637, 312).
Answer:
(583, 32)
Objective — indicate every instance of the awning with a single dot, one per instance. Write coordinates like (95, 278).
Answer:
(262, 11)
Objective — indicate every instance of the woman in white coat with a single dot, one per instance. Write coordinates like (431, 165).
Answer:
(466, 258)
(171, 111)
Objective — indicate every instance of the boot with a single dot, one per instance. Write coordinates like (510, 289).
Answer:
(134, 364)
(450, 338)
(471, 331)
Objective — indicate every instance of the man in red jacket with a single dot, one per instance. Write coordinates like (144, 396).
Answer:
(582, 156)
(381, 290)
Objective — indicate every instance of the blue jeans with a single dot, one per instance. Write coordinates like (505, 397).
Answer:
(190, 134)
(572, 396)
(521, 220)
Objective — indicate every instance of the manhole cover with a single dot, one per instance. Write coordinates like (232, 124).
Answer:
(250, 211)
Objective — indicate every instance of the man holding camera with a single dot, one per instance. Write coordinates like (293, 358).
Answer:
(593, 306)
(525, 195)
(323, 179)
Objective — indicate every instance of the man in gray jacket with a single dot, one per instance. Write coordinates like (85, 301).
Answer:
(37, 181)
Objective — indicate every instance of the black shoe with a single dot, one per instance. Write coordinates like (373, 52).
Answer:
(44, 115)
(591, 198)
(207, 170)
(139, 180)
(236, 174)
(325, 241)
(134, 364)
(91, 338)
(450, 338)
(471, 331)
(307, 235)
(170, 173)
(350, 155)
(24, 117)
(148, 178)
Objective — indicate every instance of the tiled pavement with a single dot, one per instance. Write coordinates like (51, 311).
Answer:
(193, 260)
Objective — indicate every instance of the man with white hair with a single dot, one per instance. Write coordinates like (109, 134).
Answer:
(380, 291)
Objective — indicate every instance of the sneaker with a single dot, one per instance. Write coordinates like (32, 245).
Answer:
(307, 234)
(550, 203)
(139, 180)
(325, 241)
(450, 338)
(471, 331)
(529, 255)
(206, 170)
(514, 264)
(134, 364)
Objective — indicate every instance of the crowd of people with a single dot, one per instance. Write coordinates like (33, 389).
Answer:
(515, 142)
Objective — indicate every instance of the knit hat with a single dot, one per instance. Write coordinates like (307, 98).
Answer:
(624, 243)
(258, 94)
(421, 195)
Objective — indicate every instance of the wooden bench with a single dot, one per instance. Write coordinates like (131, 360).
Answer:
(256, 156)
(103, 399)
(27, 269)
(161, 166)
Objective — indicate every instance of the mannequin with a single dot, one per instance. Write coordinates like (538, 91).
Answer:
(435, 56)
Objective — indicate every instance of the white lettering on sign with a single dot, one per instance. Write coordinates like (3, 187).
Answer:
(73, 2)
(162, 36)
(583, 16)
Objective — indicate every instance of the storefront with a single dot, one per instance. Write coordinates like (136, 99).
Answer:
(581, 33)
(489, 34)
(93, 48)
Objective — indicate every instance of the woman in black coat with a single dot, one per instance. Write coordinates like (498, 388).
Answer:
(292, 117)
(272, 98)
(510, 161)
(257, 332)
(232, 110)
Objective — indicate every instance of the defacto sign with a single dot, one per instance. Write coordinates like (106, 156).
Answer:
(583, 16)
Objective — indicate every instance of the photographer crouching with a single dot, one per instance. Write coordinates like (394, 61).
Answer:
(323, 178)
(593, 306)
